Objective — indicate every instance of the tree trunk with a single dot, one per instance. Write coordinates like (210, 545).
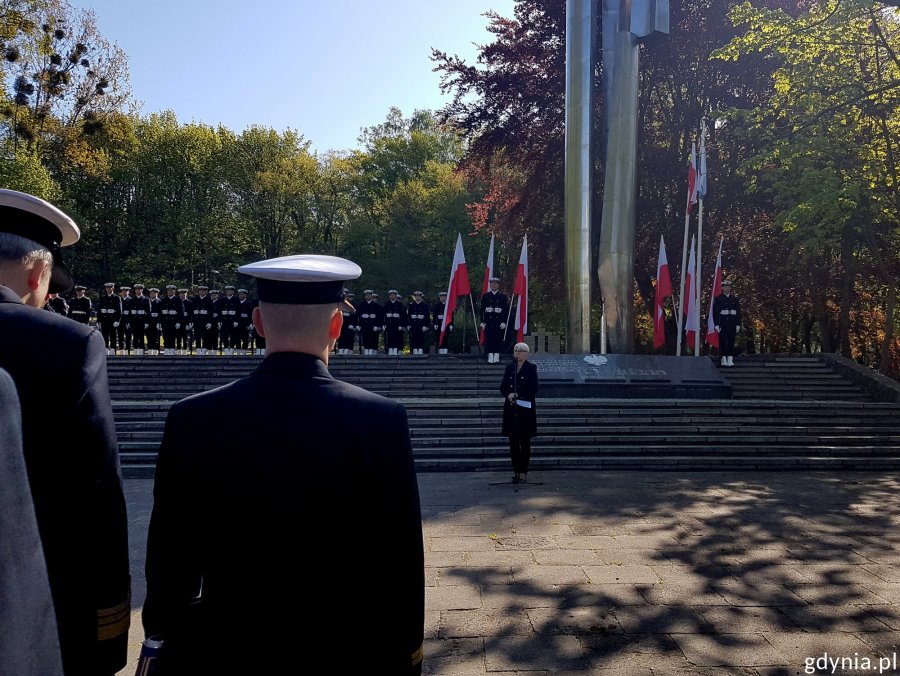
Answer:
(847, 280)
(884, 364)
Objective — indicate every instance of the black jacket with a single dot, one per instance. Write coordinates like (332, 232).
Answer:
(518, 420)
(69, 440)
(298, 526)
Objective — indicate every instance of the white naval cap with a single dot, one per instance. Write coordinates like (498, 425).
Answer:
(305, 279)
(36, 219)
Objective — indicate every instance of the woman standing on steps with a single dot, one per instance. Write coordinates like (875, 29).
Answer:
(519, 387)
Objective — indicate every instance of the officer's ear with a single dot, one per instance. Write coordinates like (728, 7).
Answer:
(335, 325)
(258, 322)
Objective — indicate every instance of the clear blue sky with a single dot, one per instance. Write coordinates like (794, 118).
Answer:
(326, 68)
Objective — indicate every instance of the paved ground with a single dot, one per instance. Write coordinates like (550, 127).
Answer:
(639, 573)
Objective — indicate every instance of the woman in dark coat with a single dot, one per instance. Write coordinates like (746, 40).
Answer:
(519, 387)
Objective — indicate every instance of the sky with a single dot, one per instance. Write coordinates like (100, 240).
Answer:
(325, 68)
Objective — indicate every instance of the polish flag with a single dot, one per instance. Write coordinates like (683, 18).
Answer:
(711, 336)
(691, 311)
(521, 290)
(663, 289)
(459, 284)
(692, 179)
(486, 284)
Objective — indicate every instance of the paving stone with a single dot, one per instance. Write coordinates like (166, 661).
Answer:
(534, 653)
(567, 557)
(798, 647)
(459, 597)
(551, 575)
(650, 619)
(462, 544)
(516, 596)
(577, 620)
(748, 649)
(625, 574)
(484, 622)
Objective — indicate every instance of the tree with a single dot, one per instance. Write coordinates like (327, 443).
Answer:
(831, 131)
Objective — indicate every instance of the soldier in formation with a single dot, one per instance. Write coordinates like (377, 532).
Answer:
(172, 310)
(419, 319)
(727, 316)
(395, 323)
(125, 324)
(140, 319)
(244, 319)
(155, 325)
(347, 338)
(370, 322)
(494, 313)
(80, 306)
(110, 314)
(203, 320)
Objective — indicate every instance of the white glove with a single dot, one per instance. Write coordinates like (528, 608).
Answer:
(511, 396)
(159, 327)
(502, 325)
(115, 325)
(424, 328)
(737, 329)
(177, 326)
(235, 324)
(483, 324)
(190, 327)
(250, 328)
(718, 329)
(146, 326)
(450, 326)
(208, 327)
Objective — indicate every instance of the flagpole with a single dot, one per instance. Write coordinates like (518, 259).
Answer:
(699, 285)
(508, 317)
(679, 307)
(701, 178)
(474, 316)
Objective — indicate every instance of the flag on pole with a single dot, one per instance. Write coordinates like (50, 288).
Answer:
(692, 179)
(520, 289)
(691, 311)
(459, 284)
(663, 289)
(711, 336)
(701, 174)
(486, 284)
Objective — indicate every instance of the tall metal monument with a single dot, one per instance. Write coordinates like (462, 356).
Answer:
(625, 23)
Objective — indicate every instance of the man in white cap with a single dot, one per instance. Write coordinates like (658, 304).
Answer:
(494, 313)
(395, 323)
(323, 459)
(73, 465)
(110, 305)
(419, 316)
(727, 316)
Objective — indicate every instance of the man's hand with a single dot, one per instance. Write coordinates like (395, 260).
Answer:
(502, 325)
(737, 329)
(512, 397)
(483, 325)
(115, 325)
(718, 329)
(208, 327)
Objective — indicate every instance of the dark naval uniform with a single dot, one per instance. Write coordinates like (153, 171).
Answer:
(58, 305)
(140, 320)
(110, 315)
(347, 338)
(172, 310)
(217, 322)
(243, 624)
(203, 322)
(125, 324)
(229, 320)
(395, 322)
(155, 325)
(69, 442)
(494, 311)
(419, 319)
(370, 320)
(727, 317)
(80, 309)
(183, 334)
(244, 319)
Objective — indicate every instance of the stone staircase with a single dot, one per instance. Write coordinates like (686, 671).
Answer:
(788, 412)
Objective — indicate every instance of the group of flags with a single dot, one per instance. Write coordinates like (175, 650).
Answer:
(459, 286)
(690, 296)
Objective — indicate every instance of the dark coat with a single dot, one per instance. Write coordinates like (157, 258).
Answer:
(69, 440)
(300, 526)
(29, 644)
(517, 420)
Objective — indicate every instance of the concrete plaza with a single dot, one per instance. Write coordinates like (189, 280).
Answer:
(637, 573)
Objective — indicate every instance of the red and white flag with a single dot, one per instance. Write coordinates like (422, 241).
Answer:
(711, 336)
(459, 284)
(486, 284)
(520, 289)
(691, 309)
(692, 179)
(663, 289)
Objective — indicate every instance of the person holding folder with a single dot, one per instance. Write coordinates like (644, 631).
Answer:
(519, 387)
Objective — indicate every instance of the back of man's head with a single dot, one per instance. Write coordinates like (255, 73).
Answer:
(300, 301)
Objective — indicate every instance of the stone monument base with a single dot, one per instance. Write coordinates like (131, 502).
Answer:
(625, 376)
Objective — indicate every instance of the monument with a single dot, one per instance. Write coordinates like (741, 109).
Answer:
(625, 24)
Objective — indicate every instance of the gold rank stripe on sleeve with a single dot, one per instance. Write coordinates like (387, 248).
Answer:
(418, 654)
(114, 621)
